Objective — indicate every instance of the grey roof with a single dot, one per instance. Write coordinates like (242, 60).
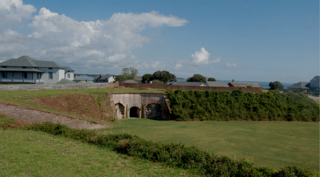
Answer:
(26, 61)
(22, 70)
(83, 78)
(299, 85)
(129, 81)
(244, 85)
(102, 77)
(217, 84)
(189, 83)
(66, 68)
(315, 79)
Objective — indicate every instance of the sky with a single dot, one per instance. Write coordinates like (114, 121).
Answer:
(247, 40)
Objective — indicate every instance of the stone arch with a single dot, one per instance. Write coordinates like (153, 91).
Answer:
(120, 110)
(154, 111)
(135, 112)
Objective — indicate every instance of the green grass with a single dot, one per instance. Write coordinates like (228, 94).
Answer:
(272, 144)
(30, 153)
(22, 97)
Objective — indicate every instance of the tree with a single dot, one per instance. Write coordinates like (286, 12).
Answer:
(128, 73)
(120, 78)
(164, 76)
(212, 79)
(197, 78)
(146, 78)
(276, 85)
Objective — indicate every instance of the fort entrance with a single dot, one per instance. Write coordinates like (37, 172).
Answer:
(141, 105)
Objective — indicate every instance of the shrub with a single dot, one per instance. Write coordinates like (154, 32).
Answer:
(237, 105)
(172, 154)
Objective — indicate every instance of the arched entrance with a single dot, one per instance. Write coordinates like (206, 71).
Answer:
(154, 111)
(135, 112)
(119, 110)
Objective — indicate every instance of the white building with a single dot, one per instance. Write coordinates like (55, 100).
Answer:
(28, 70)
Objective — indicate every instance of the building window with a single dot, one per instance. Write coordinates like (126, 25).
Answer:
(25, 75)
(4, 75)
(68, 75)
(38, 75)
(50, 75)
(50, 68)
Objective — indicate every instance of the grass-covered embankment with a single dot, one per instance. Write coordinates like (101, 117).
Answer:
(237, 105)
(35, 153)
(172, 154)
(266, 143)
(49, 98)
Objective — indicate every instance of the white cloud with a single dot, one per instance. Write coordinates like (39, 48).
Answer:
(200, 57)
(229, 65)
(100, 43)
(178, 65)
(13, 12)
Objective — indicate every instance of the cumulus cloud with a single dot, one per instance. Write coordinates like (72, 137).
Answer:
(199, 58)
(13, 12)
(85, 43)
(229, 65)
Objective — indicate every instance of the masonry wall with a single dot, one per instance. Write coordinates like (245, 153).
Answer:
(176, 87)
(141, 101)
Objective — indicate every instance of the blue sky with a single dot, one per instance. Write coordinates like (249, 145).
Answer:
(247, 40)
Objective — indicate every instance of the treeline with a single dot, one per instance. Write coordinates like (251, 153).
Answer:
(237, 105)
(172, 154)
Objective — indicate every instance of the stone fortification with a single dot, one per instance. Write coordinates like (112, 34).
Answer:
(141, 105)
(176, 87)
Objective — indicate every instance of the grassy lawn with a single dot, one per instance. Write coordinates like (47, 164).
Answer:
(273, 144)
(29, 153)
(22, 97)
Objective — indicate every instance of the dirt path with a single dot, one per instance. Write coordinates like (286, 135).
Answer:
(30, 115)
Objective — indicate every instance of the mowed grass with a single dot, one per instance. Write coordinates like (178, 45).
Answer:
(30, 153)
(272, 144)
(22, 97)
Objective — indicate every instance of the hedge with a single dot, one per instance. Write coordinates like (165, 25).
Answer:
(172, 154)
(237, 105)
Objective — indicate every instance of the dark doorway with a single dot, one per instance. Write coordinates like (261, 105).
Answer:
(134, 112)
(154, 111)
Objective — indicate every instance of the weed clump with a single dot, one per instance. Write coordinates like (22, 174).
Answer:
(237, 105)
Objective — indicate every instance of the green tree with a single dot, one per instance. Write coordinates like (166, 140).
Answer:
(127, 73)
(197, 78)
(146, 78)
(276, 85)
(156, 81)
(212, 79)
(164, 76)
(120, 78)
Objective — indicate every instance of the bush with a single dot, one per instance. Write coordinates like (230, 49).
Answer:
(172, 154)
(237, 105)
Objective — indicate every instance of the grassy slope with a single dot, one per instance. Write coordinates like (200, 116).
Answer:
(29, 153)
(22, 97)
(273, 144)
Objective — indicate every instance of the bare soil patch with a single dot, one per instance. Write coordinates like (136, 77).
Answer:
(86, 105)
(29, 115)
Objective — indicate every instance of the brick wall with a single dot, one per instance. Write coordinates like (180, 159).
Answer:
(51, 86)
(175, 87)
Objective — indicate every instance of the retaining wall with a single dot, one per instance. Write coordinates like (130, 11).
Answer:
(176, 87)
